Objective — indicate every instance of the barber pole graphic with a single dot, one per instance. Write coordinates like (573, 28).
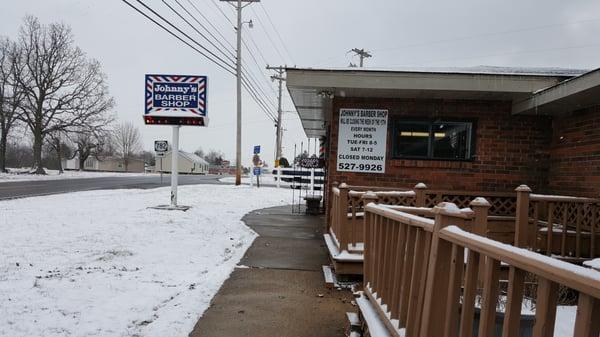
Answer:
(322, 149)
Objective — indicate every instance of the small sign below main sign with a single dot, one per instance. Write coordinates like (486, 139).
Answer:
(176, 100)
(161, 146)
(257, 171)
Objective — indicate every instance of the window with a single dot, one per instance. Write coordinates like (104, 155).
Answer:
(447, 140)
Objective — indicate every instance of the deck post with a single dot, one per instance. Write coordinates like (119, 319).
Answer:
(522, 238)
(368, 197)
(420, 189)
(328, 204)
(481, 208)
(343, 217)
(437, 298)
(479, 226)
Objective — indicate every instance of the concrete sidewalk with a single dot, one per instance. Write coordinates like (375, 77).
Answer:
(282, 293)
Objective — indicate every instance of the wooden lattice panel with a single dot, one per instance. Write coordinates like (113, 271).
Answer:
(503, 205)
(396, 200)
(500, 205)
(431, 200)
(355, 203)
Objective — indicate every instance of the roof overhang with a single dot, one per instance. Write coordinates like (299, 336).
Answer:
(312, 90)
(573, 94)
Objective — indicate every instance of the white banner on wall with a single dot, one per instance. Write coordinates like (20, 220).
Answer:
(362, 140)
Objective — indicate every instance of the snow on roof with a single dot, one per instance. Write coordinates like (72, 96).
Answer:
(192, 157)
(488, 70)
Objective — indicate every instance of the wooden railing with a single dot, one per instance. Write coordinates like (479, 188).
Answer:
(501, 203)
(397, 247)
(568, 227)
(346, 225)
(347, 209)
(417, 280)
(562, 226)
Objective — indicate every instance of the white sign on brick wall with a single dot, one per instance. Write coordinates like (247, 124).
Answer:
(362, 140)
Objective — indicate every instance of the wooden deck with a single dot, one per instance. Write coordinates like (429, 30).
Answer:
(560, 226)
(427, 277)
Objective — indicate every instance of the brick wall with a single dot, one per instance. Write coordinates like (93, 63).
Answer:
(509, 151)
(575, 154)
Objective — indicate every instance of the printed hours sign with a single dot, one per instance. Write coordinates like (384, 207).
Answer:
(362, 140)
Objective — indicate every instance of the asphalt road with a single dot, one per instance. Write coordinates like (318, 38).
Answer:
(21, 189)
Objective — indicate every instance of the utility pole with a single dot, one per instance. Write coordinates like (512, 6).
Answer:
(278, 77)
(362, 53)
(238, 67)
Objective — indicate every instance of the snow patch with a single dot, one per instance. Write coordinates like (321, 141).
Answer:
(23, 175)
(595, 264)
(100, 263)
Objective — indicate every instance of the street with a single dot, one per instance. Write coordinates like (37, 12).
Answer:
(20, 189)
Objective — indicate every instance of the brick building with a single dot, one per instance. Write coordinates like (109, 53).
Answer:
(488, 129)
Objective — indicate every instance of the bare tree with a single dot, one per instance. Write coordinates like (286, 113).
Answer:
(11, 95)
(88, 143)
(127, 142)
(199, 152)
(64, 90)
(214, 157)
(58, 143)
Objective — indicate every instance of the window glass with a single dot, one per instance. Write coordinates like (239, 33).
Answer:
(412, 139)
(451, 140)
(433, 140)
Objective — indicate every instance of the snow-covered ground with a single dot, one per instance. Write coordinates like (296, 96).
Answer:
(101, 263)
(22, 175)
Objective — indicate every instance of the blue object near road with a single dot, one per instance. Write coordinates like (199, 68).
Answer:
(257, 171)
(256, 149)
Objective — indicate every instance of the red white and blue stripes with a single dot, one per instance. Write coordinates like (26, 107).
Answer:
(199, 83)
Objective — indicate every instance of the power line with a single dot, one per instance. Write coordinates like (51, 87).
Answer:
(247, 86)
(532, 51)
(211, 24)
(269, 37)
(476, 36)
(247, 73)
(252, 78)
(362, 53)
(225, 15)
(256, 97)
(469, 37)
(229, 57)
(258, 66)
(179, 38)
(208, 31)
(276, 32)
(183, 33)
(262, 56)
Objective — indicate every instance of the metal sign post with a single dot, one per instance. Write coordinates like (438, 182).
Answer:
(175, 100)
(257, 172)
(161, 147)
(174, 165)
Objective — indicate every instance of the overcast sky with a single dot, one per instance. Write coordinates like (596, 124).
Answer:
(315, 33)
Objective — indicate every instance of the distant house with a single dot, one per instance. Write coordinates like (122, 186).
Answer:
(108, 164)
(189, 163)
